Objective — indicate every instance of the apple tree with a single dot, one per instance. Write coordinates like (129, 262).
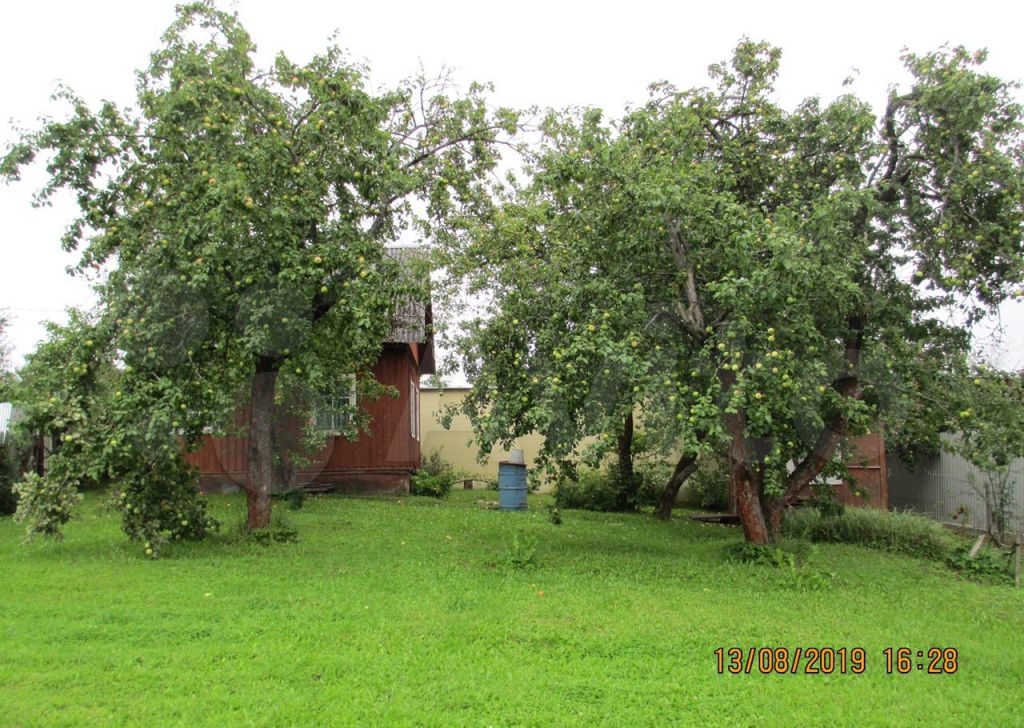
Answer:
(780, 279)
(239, 216)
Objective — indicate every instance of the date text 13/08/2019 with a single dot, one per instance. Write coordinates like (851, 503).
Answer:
(830, 660)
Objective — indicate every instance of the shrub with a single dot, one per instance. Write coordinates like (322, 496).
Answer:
(606, 491)
(826, 502)
(8, 499)
(435, 477)
(162, 504)
(435, 486)
(45, 504)
(590, 490)
(896, 531)
(652, 479)
(708, 488)
(792, 558)
(989, 564)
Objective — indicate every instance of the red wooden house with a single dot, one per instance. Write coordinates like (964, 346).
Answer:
(383, 458)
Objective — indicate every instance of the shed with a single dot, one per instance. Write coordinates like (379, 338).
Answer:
(383, 458)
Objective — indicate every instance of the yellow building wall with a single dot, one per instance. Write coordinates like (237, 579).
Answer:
(455, 443)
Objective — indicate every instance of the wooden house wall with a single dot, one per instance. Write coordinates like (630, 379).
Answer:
(380, 460)
(869, 471)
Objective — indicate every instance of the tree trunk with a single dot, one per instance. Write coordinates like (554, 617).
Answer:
(626, 450)
(745, 493)
(773, 508)
(39, 455)
(626, 496)
(261, 454)
(686, 467)
(748, 505)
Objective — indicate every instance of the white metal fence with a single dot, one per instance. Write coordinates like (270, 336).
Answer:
(949, 489)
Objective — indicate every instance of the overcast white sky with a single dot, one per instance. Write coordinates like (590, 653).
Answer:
(545, 53)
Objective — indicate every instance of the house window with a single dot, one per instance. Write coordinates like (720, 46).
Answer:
(414, 409)
(335, 413)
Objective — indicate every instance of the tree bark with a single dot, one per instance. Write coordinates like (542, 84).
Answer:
(625, 448)
(261, 454)
(773, 508)
(748, 504)
(686, 467)
(627, 485)
(744, 483)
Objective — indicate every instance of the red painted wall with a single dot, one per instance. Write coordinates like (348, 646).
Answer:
(379, 461)
(868, 468)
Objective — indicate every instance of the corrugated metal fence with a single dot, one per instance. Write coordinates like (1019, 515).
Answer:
(950, 489)
(6, 417)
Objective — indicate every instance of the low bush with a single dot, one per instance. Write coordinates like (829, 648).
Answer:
(895, 531)
(590, 490)
(990, 564)
(708, 488)
(435, 486)
(434, 478)
(606, 491)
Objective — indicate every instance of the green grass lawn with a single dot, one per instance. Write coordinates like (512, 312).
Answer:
(404, 612)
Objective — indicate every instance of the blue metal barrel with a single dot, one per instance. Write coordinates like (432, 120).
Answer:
(512, 486)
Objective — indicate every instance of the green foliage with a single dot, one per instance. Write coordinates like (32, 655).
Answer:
(825, 500)
(276, 533)
(521, 552)
(45, 504)
(792, 556)
(280, 530)
(554, 514)
(435, 478)
(990, 436)
(590, 490)
(243, 215)
(991, 421)
(434, 486)
(107, 427)
(8, 498)
(161, 504)
(708, 488)
(895, 531)
(751, 277)
(989, 564)
(605, 489)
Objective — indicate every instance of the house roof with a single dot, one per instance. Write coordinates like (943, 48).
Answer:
(412, 319)
(6, 415)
